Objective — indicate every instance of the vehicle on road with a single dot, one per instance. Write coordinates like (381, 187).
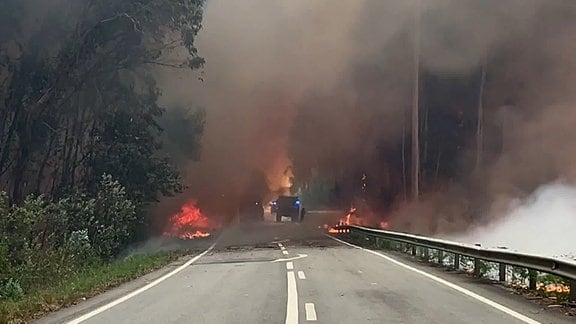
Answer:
(288, 206)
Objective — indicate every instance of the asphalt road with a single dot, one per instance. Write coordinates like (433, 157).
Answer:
(293, 273)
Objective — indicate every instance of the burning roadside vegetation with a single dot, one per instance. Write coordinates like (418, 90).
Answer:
(189, 223)
(353, 217)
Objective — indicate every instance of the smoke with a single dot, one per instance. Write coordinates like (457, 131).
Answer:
(263, 59)
(515, 199)
(326, 86)
(535, 225)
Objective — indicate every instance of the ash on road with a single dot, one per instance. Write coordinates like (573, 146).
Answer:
(293, 273)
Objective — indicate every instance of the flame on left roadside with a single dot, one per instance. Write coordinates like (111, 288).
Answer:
(189, 223)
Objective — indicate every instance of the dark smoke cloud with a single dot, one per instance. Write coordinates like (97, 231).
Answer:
(327, 82)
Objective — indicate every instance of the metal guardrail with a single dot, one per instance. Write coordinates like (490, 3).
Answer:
(503, 257)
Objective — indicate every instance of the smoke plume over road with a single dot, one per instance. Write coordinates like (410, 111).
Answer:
(325, 87)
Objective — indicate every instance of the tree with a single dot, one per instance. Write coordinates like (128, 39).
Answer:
(60, 108)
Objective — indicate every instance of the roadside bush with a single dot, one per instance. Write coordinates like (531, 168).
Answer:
(43, 243)
(10, 289)
(115, 215)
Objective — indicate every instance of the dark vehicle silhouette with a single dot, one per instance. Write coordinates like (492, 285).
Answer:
(288, 206)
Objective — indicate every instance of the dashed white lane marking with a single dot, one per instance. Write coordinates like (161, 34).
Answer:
(284, 252)
(292, 303)
(462, 290)
(301, 275)
(140, 290)
(289, 265)
(310, 312)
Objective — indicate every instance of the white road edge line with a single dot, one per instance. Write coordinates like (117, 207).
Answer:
(289, 265)
(284, 252)
(301, 275)
(292, 303)
(140, 290)
(310, 312)
(462, 290)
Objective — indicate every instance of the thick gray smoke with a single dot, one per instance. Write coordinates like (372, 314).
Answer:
(536, 224)
(530, 95)
(265, 58)
(348, 64)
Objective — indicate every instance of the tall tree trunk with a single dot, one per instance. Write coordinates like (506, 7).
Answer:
(404, 184)
(424, 159)
(44, 163)
(479, 124)
(22, 160)
(415, 107)
(7, 145)
(437, 171)
(64, 174)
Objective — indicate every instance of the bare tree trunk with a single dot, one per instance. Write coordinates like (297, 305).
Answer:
(44, 163)
(404, 185)
(437, 165)
(415, 108)
(7, 145)
(479, 125)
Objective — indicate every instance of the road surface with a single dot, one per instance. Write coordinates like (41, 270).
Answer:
(293, 273)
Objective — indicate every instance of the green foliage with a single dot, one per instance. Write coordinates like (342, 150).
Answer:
(87, 281)
(110, 230)
(519, 275)
(41, 239)
(183, 130)
(10, 289)
(80, 143)
(90, 90)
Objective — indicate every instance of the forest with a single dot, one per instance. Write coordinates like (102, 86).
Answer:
(83, 151)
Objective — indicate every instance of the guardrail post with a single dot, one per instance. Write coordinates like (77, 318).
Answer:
(532, 278)
(572, 290)
(456, 261)
(440, 257)
(502, 272)
(476, 267)
(426, 254)
(477, 263)
(413, 248)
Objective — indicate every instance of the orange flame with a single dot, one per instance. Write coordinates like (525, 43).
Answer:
(352, 219)
(187, 223)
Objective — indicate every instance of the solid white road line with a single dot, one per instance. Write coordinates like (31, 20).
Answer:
(284, 252)
(301, 275)
(140, 290)
(292, 303)
(446, 283)
(289, 265)
(310, 312)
